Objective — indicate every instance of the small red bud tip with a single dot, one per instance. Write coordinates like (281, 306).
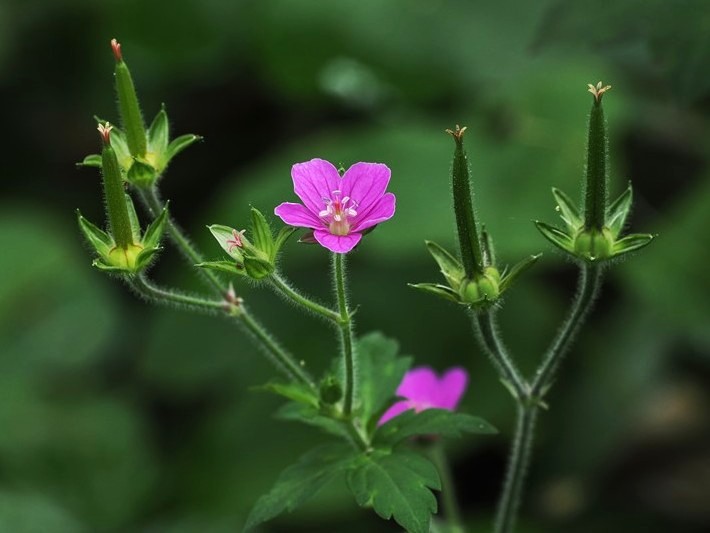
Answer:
(598, 90)
(116, 47)
(105, 132)
(457, 133)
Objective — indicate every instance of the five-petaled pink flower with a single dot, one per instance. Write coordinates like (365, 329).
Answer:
(422, 389)
(338, 209)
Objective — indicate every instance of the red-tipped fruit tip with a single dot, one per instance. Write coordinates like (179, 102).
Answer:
(116, 47)
(105, 132)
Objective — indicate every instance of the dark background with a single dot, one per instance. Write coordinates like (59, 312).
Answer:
(115, 416)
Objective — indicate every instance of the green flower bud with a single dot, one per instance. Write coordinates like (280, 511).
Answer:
(594, 245)
(331, 391)
(483, 288)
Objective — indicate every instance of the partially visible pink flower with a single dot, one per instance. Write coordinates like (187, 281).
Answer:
(422, 389)
(338, 209)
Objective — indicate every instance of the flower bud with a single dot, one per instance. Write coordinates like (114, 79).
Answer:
(483, 288)
(594, 245)
(331, 391)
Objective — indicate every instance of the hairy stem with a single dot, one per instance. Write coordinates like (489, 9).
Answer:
(156, 294)
(289, 292)
(151, 199)
(346, 332)
(517, 468)
(448, 490)
(590, 280)
(487, 333)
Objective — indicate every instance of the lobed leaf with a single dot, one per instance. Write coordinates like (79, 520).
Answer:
(429, 422)
(396, 485)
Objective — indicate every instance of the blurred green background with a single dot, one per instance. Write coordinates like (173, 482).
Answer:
(119, 417)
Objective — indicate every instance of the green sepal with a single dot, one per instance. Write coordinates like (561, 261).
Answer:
(98, 238)
(263, 238)
(99, 264)
(133, 219)
(141, 174)
(429, 422)
(618, 212)
(297, 392)
(509, 277)
(145, 258)
(489, 255)
(301, 481)
(556, 236)
(158, 133)
(282, 236)
(450, 267)
(180, 143)
(154, 232)
(443, 291)
(632, 242)
(93, 160)
(568, 210)
(223, 266)
(223, 234)
(396, 485)
(257, 268)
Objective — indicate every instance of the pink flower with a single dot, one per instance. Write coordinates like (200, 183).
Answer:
(422, 389)
(338, 209)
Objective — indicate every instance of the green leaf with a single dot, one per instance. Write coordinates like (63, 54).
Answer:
(396, 486)
(568, 210)
(158, 134)
(632, 242)
(297, 392)
(263, 238)
(223, 266)
(93, 160)
(225, 237)
(298, 483)
(442, 291)
(450, 266)
(311, 416)
(556, 236)
(133, 219)
(380, 372)
(179, 144)
(618, 212)
(154, 232)
(99, 239)
(430, 422)
(510, 277)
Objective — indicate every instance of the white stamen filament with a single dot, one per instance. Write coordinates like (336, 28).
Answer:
(336, 213)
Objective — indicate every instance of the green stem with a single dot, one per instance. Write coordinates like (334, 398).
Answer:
(590, 280)
(286, 290)
(358, 440)
(151, 199)
(487, 333)
(517, 468)
(448, 490)
(346, 332)
(168, 296)
(280, 357)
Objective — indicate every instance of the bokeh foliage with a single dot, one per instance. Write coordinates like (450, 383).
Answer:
(119, 417)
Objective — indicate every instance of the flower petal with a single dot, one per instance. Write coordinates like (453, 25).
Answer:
(297, 215)
(452, 385)
(340, 244)
(365, 183)
(314, 180)
(420, 385)
(381, 211)
(395, 410)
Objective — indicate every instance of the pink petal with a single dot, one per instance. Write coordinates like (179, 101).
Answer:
(314, 180)
(396, 409)
(452, 385)
(365, 183)
(420, 385)
(297, 215)
(340, 244)
(381, 211)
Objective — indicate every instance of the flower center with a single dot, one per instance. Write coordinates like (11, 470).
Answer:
(337, 212)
